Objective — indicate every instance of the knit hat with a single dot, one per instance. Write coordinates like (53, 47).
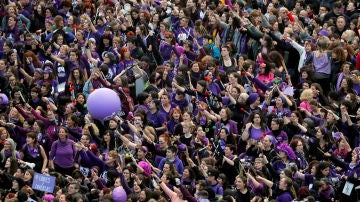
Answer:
(48, 63)
(244, 96)
(287, 149)
(181, 147)
(119, 194)
(253, 97)
(92, 40)
(179, 49)
(48, 197)
(144, 149)
(146, 166)
(5, 99)
(39, 71)
(48, 70)
(271, 138)
(323, 33)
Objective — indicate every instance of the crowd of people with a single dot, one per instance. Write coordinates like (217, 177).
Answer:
(229, 100)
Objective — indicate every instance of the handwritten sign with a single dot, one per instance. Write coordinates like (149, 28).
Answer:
(43, 183)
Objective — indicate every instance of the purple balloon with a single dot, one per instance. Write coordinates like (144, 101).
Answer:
(103, 103)
(119, 194)
(5, 99)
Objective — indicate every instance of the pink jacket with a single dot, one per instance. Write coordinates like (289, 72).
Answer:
(305, 104)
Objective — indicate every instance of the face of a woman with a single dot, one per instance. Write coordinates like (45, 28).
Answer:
(266, 142)
(186, 173)
(107, 137)
(162, 142)
(29, 140)
(257, 119)
(165, 99)
(195, 67)
(329, 117)
(344, 83)
(224, 52)
(81, 99)
(232, 79)
(84, 139)
(200, 132)
(62, 198)
(60, 40)
(176, 115)
(279, 102)
(325, 171)
(293, 117)
(140, 154)
(300, 146)
(62, 133)
(234, 92)
(112, 124)
(282, 154)
(7, 163)
(282, 184)
(319, 134)
(223, 134)
(4, 134)
(228, 151)
(2, 65)
(223, 114)
(239, 183)
(70, 122)
(15, 185)
(199, 88)
(11, 10)
(27, 176)
(186, 116)
(7, 146)
(274, 125)
(142, 196)
(117, 182)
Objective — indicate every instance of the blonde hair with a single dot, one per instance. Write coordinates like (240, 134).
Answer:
(323, 43)
(350, 34)
(307, 94)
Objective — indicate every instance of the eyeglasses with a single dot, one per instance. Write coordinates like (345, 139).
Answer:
(299, 145)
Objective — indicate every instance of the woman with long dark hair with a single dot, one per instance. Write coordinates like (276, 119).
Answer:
(255, 127)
